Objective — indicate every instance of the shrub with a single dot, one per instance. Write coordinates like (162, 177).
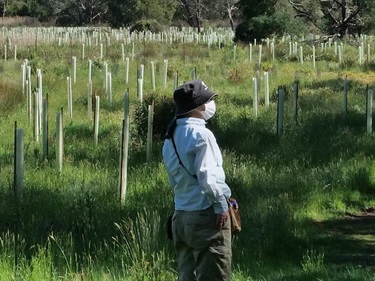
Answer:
(239, 73)
(163, 113)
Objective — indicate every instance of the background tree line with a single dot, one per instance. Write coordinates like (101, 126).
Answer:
(250, 19)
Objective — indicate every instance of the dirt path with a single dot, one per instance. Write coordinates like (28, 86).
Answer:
(350, 240)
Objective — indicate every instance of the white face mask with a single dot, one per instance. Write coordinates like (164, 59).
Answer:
(210, 110)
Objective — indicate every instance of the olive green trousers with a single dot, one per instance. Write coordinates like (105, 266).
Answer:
(204, 252)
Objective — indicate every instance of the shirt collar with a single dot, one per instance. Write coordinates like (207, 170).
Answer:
(191, 121)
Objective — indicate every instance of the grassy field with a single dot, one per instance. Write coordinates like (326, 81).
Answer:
(306, 198)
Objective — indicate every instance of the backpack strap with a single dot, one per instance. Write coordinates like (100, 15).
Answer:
(178, 156)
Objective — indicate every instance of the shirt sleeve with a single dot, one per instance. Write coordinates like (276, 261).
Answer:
(210, 173)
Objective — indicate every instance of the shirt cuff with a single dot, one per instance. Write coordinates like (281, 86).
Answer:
(221, 206)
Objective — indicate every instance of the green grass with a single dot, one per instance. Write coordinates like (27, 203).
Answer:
(295, 193)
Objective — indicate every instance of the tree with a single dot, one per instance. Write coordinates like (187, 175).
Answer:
(191, 12)
(161, 11)
(3, 7)
(40, 9)
(231, 8)
(45, 10)
(122, 13)
(84, 12)
(196, 12)
(338, 18)
(263, 18)
(142, 14)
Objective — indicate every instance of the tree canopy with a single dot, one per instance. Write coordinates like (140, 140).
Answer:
(251, 19)
(339, 18)
(263, 18)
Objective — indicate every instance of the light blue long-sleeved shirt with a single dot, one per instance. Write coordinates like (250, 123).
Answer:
(201, 156)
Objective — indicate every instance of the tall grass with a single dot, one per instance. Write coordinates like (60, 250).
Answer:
(71, 226)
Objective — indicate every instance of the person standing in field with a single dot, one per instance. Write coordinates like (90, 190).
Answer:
(201, 224)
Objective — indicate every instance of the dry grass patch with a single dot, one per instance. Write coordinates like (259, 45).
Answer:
(19, 21)
(10, 96)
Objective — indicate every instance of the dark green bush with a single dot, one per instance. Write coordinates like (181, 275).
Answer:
(163, 114)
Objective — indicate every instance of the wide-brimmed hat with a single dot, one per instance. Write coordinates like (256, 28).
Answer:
(191, 95)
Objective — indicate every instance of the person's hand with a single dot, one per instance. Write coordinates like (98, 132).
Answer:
(221, 219)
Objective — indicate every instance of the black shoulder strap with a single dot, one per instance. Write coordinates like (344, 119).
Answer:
(178, 156)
